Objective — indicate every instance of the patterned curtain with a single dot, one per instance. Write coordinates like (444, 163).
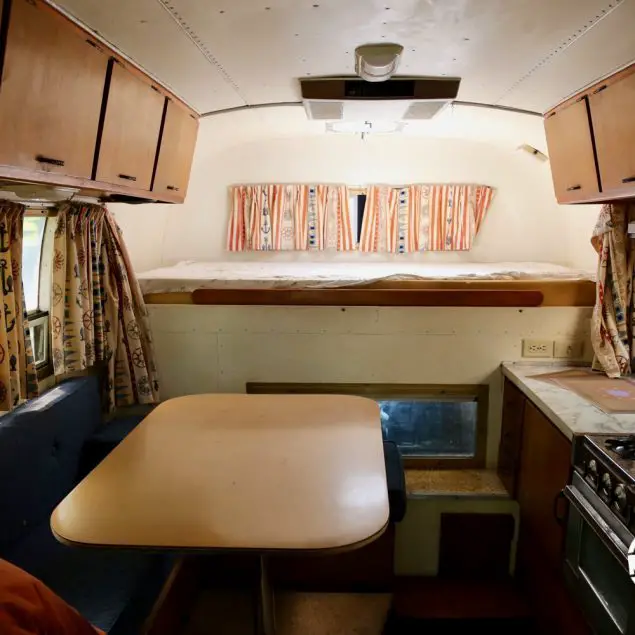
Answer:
(423, 217)
(98, 317)
(611, 327)
(18, 378)
(289, 217)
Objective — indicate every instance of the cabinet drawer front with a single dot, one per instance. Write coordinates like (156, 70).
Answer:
(571, 153)
(131, 130)
(176, 151)
(51, 93)
(612, 108)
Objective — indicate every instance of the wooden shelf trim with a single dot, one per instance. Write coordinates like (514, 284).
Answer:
(371, 297)
(492, 293)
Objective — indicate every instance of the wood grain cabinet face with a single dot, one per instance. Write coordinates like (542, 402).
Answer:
(612, 112)
(51, 93)
(545, 463)
(511, 436)
(571, 154)
(176, 151)
(130, 135)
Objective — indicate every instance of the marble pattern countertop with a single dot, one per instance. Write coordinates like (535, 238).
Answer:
(570, 413)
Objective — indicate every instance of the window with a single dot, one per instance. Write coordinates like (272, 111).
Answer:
(357, 204)
(34, 227)
(36, 275)
(441, 426)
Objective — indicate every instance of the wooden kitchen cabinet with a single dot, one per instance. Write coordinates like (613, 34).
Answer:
(177, 150)
(132, 123)
(539, 470)
(545, 464)
(570, 143)
(612, 106)
(51, 92)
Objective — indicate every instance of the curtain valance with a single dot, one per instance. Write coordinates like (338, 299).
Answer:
(404, 219)
(289, 217)
(423, 217)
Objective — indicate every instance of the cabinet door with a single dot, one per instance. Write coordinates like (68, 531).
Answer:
(131, 130)
(511, 436)
(571, 153)
(612, 108)
(545, 463)
(51, 93)
(176, 151)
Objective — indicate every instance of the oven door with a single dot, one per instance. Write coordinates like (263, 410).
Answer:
(596, 565)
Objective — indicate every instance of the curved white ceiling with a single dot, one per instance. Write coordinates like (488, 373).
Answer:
(219, 54)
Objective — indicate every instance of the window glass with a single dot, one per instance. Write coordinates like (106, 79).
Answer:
(31, 252)
(431, 428)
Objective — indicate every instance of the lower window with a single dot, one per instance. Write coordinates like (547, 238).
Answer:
(39, 328)
(436, 426)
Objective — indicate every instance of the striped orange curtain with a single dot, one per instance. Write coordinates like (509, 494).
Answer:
(423, 217)
(289, 217)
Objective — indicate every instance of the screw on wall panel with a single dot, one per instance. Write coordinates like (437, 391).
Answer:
(202, 47)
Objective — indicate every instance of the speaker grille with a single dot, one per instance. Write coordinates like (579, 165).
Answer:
(324, 109)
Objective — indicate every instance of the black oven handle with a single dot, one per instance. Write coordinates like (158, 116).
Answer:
(560, 518)
(597, 524)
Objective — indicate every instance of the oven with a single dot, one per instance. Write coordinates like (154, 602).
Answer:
(596, 561)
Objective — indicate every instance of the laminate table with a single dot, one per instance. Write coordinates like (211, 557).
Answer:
(220, 472)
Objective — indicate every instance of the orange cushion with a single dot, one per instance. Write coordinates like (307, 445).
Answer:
(29, 607)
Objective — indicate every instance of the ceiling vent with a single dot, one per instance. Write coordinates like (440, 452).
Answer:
(399, 98)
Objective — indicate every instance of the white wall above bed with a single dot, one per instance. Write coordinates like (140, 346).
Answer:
(279, 145)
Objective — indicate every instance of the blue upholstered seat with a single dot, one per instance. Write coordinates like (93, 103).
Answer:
(41, 444)
(99, 583)
(396, 480)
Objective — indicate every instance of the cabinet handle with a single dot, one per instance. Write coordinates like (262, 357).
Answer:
(127, 177)
(600, 89)
(580, 99)
(553, 114)
(42, 159)
(573, 188)
(629, 179)
(94, 44)
(155, 88)
(173, 188)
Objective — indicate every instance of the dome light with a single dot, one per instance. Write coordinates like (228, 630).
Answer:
(377, 62)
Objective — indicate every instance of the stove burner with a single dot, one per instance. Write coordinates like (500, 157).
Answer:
(622, 446)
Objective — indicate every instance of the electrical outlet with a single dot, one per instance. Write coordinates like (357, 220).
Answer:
(568, 349)
(537, 348)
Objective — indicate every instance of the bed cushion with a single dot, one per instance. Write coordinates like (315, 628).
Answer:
(265, 274)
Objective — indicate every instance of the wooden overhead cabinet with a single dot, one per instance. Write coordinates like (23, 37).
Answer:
(613, 115)
(571, 155)
(51, 92)
(591, 139)
(176, 152)
(132, 123)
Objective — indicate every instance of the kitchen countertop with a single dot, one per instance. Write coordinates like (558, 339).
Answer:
(570, 413)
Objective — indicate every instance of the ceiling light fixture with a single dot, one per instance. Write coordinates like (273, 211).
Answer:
(365, 127)
(377, 62)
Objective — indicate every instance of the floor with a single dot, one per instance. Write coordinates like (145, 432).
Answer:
(231, 613)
